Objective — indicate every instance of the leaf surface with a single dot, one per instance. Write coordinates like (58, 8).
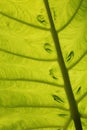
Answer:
(32, 92)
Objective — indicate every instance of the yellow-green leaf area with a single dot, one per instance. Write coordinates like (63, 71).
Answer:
(32, 94)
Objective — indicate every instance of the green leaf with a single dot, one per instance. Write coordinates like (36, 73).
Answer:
(32, 87)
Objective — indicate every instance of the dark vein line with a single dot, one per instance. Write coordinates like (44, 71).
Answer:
(83, 55)
(83, 116)
(44, 60)
(41, 107)
(24, 22)
(27, 57)
(70, 20)
(32, 80)
(67, 84)
(82, 97)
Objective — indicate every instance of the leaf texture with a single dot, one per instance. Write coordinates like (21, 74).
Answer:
(32, 92)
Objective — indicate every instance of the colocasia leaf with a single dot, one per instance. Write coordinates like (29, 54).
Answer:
(32, 84)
